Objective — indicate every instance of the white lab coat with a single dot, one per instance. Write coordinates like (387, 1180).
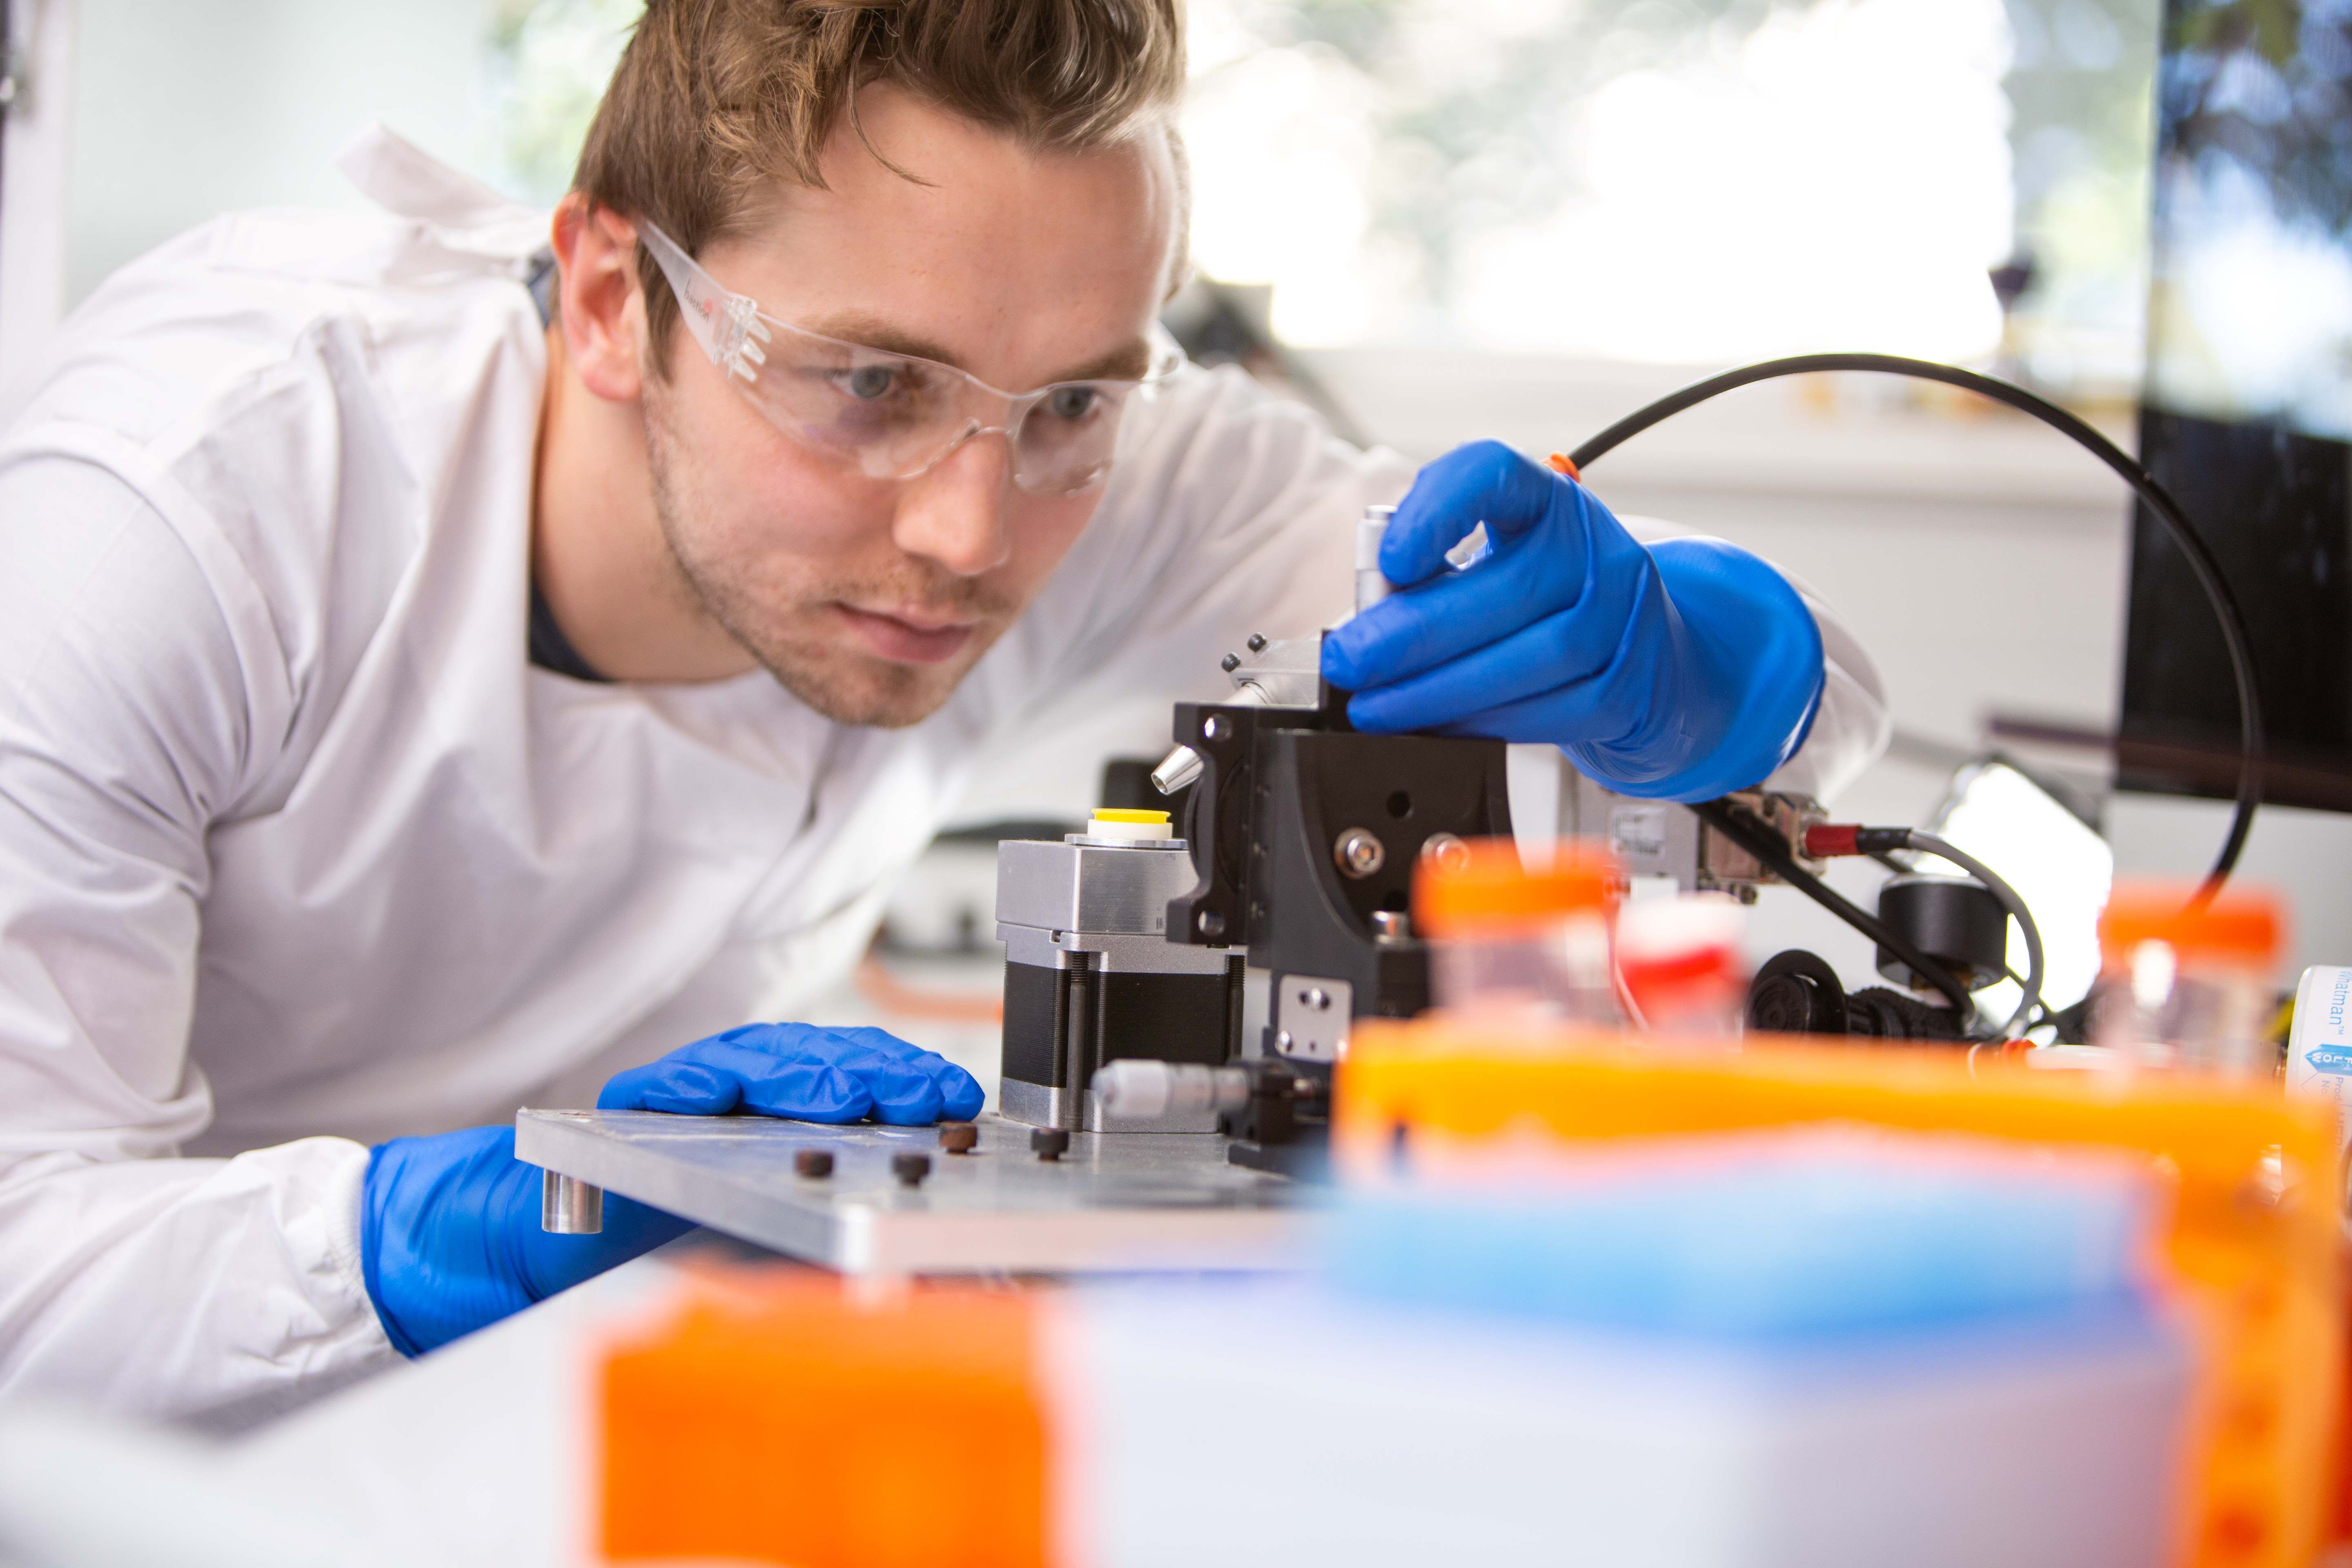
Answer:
(299, 853)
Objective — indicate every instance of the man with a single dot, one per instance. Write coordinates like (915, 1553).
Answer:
(421, 701)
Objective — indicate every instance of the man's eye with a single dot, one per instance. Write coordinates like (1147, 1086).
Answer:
(871, 382)
(1071, 402)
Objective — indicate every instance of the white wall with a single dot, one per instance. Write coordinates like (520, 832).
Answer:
(185, 108)
(34, 157)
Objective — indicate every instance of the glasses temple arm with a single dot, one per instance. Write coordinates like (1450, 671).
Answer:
(721, 322)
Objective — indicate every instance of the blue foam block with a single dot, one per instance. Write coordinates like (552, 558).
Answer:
(1803, 1238)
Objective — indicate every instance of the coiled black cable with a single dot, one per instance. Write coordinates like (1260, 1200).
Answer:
(2208, 571)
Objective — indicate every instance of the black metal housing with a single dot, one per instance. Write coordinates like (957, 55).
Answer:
(1279, 787)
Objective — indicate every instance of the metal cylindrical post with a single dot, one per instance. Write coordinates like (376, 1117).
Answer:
(568, 1206)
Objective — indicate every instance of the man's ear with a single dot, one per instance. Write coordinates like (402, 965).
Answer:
(600, 308)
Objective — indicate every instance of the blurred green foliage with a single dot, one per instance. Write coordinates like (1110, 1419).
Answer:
(2266, 85)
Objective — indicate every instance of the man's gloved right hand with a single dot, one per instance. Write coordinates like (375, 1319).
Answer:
(1680, 670)
(449, 1234)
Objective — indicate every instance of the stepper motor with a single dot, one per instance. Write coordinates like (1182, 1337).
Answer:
(1089, 975)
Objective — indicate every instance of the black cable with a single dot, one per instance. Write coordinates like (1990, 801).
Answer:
(2167, 511)
(1743, 829)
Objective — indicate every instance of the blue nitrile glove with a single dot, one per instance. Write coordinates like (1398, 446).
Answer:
(804, 1073)
(1679, 671)
(449, 1237)
(449, 1234)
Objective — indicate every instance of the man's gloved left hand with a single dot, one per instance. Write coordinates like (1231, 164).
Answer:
(449, 1235)
(804, 1073)
(1679, 671)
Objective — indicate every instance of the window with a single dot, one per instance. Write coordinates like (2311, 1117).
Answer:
(1691, 181)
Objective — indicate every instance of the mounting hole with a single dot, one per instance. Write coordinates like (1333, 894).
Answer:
(1400, 806)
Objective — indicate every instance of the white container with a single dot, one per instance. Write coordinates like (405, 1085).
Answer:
(1267, 1427)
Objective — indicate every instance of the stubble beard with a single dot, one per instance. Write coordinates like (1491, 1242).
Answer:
(842, 683)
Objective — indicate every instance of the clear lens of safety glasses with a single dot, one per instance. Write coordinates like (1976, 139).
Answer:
(893, 415)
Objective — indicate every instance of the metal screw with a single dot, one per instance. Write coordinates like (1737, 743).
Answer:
(1210, 923)
(1212, 728)
(1445, 851)
(1230, 663)
(1317, 998)
(959, 1137)
(910, 1169)
(1360, 853)
(815, 1164)
(1282, 1041)
(1050, 1143)
(1390, 925)
(1256, 643)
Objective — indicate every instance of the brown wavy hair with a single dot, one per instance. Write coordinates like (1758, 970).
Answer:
(714, 98)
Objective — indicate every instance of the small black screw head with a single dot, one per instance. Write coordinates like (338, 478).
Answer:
(1230, 663)
(959, 1137)
(1256, 643)
(1050, 1143)
(814, 1163)
(1210, 923)
(910, 1169)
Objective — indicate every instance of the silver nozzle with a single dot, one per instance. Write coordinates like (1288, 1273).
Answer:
(1176, 770)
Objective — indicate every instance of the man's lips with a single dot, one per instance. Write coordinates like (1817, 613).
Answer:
(905, 641)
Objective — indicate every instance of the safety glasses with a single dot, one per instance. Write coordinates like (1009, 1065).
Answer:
(892, 416)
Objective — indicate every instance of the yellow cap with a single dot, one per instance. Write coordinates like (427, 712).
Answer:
(1108, 814)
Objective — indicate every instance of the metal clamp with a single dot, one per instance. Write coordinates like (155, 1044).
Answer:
(1310, 1018)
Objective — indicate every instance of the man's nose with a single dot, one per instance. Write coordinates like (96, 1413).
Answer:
(955, 513)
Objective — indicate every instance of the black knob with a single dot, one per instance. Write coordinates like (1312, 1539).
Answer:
(1050, 1143)
(910, 1169)
(959, 1137)
(812, 1162)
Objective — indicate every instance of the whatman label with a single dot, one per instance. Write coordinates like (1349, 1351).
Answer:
(2319, 1048)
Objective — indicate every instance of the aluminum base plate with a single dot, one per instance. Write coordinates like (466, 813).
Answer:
(1116, 1202)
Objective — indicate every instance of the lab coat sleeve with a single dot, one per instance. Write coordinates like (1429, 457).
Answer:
(187, 1287)
(1231, 512)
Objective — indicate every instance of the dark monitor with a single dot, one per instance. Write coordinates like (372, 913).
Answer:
(2247, 417)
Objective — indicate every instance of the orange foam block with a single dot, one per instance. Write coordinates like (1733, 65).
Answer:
(784, 1421)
